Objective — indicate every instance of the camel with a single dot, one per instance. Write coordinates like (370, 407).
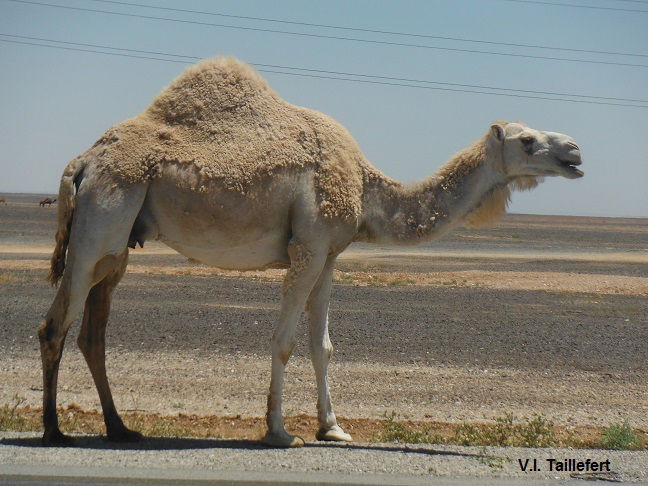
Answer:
(48, 200)
(224, 171)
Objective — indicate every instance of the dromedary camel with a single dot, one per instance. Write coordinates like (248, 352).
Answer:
(48, 200)
(223, 170)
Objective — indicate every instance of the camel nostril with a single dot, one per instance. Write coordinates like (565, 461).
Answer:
(573, 145)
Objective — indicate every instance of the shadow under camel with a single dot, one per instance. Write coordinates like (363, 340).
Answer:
(167, 443)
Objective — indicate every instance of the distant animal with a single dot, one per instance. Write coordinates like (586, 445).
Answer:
(49, 201)
(2, 200)
(223, 170)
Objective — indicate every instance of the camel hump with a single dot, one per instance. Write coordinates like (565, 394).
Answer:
(208, 90)
(223, 126)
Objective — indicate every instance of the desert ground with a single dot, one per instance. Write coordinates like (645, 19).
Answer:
(538, 315)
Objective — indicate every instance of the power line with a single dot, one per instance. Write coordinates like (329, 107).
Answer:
(322, 71)
(323, 36)
(576, 5)
(372, 31)
(321, 76)
(93, 51)
(193, 58)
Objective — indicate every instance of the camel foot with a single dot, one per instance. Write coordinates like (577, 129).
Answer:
(283, 439)
(335, 433)
(56, 438)
(125, 435)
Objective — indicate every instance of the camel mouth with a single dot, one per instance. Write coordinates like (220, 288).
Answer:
(570, 167)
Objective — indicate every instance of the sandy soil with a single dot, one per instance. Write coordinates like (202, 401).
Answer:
(540, 315)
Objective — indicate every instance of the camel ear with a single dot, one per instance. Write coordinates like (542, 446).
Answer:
(497, 131)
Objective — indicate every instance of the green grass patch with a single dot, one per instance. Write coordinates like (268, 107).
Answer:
(534, 432)
(504, 431)
(620, 437)
(398, 432)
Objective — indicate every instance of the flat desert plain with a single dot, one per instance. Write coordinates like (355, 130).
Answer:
(538, 315)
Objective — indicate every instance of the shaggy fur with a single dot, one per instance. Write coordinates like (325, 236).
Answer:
(418, 212)
(224, 119)
(494, 205)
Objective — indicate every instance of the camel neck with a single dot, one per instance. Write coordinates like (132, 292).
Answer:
(400, 214)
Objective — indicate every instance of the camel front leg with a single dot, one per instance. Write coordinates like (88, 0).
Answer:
(321, 352)
(306, 266)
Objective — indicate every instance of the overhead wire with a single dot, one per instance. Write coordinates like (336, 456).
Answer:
(323, 75)
(332, 37)
(322, 71)
(577, 5)
(372, 31)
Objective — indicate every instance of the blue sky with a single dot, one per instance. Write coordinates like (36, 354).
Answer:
(56, 103)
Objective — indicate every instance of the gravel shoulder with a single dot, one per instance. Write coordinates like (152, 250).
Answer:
(374, 461)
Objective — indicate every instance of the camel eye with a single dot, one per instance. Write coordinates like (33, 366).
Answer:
(527, 144)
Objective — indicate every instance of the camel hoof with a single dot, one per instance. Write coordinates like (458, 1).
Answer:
(57, 438)
(125, 435)
(282, 440)
(335, 433)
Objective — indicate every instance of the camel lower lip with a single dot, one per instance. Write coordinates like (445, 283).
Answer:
(575, 171)
(571, 167)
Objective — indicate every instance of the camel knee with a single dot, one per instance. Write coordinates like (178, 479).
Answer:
(328, 350)
(283, 346)
(51, 340)
(50, 334)
(323, 351)
(285, 352)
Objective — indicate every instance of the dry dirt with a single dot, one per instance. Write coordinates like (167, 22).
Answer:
(539, 315)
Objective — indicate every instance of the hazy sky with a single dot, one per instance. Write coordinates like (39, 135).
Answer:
(56, 103)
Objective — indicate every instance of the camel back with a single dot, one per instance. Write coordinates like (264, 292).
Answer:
(223, 120)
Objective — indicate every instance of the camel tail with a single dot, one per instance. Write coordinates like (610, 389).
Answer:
(71, 177)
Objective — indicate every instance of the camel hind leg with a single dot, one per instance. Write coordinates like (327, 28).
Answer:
(101, 225)
(92, 341)
(52, 332)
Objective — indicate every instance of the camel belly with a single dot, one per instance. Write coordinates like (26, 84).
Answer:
(269, 252)
(219, 228)
(247, 247)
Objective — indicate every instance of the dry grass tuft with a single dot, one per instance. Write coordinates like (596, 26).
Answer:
(8, 277)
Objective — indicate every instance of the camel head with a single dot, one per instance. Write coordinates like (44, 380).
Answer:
(529, 152)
